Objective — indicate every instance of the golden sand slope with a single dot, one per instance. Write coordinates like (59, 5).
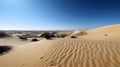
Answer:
(64, 53)
(82, 53)
(26, 54)
(110, 29)
(112, 32)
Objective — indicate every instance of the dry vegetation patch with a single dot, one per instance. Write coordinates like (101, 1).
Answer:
(34, 40)
(4, 49)
(73, 37)
(3, 34)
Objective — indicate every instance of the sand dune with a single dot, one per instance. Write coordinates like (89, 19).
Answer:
(64, 53)
(112, 32)
(110, 29)
(12, 41)
(90, 50)
(82, 53)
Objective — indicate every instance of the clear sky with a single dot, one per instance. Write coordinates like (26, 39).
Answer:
(58, 14)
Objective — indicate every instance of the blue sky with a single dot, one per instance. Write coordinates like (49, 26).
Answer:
(58, 14)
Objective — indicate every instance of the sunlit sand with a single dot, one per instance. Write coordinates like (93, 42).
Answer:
(89, 48)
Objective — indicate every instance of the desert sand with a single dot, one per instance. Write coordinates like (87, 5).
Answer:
(97, 48)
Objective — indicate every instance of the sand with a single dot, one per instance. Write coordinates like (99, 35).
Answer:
(90, 50)
(82, 53)
(112, 31)
(12, 41)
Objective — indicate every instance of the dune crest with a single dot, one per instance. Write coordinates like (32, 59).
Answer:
(110, 32)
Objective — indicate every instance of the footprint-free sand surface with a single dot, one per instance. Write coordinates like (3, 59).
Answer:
(82, 53)
(91, 50)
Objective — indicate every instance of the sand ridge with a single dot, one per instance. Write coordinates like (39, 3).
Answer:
(82, 53)
(90, 50)
(65, 53)
(112, 32)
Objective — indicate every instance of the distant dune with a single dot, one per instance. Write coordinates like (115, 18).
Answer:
(96, 48)
(110, 32)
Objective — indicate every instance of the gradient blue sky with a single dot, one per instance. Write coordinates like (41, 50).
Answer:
(58, 14)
